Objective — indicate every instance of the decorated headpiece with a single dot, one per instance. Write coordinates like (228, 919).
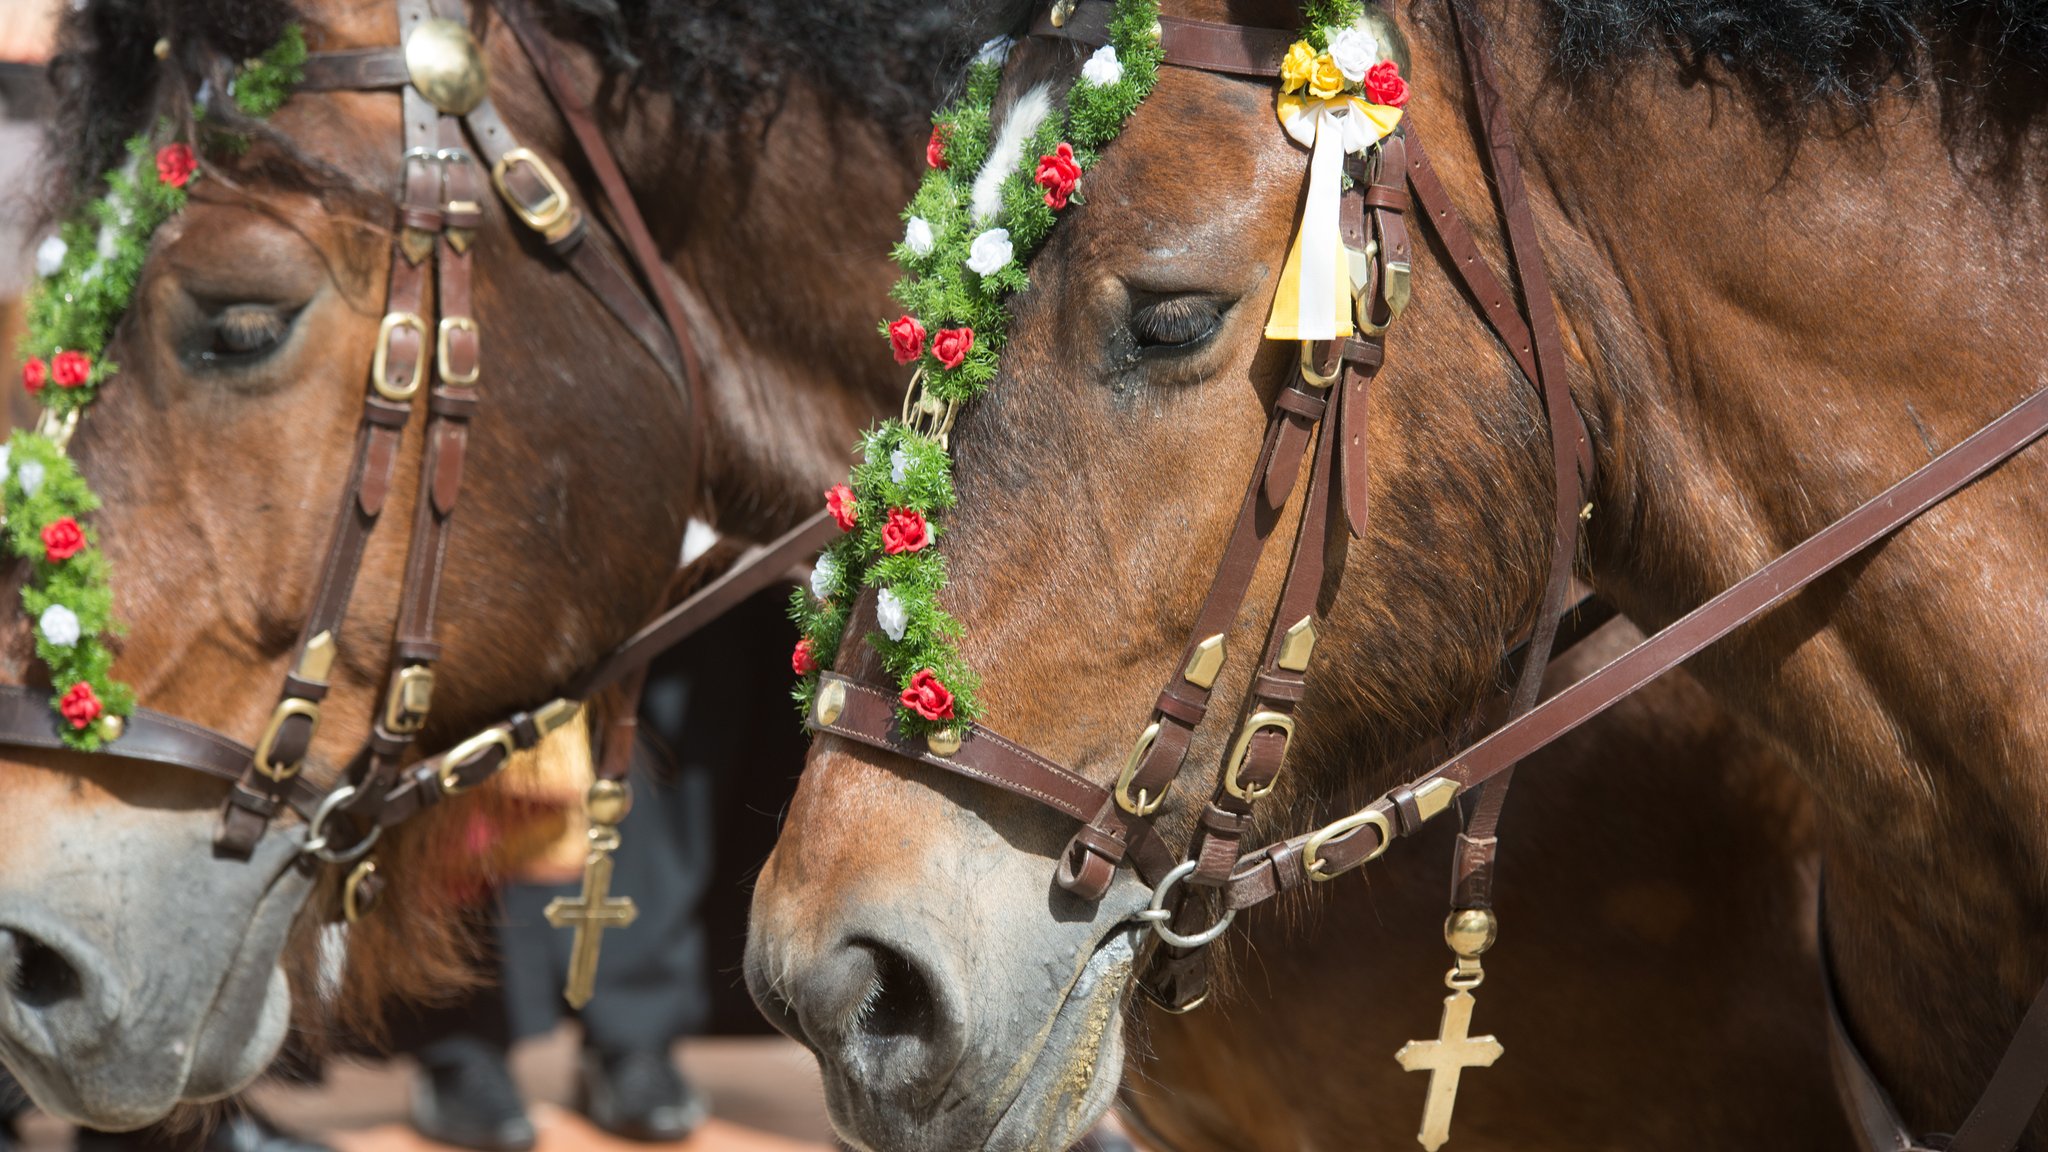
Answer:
(88, 273)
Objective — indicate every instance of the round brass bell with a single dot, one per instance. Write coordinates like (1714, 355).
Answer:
(943, 741)
(1471, 931)
(447, 66)
(608, 801)
(111, 727)
(1393, 43)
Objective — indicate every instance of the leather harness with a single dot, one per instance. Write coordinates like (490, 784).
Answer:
(1327, 400)
(438, 212)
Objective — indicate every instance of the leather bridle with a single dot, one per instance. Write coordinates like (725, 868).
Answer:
(433, 349)
(1327, 399)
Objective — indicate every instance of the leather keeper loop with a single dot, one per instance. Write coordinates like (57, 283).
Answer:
(468, 219)
(299, 689)
(1366, 355)
(1393, 197)
(1308, 407)
(417, 651)
(1224, 822)
(385, 744)
(453, 403)
(1174, 708)
(422, 219)
(1281, 687)
(1083, 871)
(567, 241)
(1406, 810)
(525, 733)
(385, 413)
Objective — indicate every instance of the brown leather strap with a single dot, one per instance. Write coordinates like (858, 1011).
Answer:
(1232, 49)
(1873, 1118)
(355, 70)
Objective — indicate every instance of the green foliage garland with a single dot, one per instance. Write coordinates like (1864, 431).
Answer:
(941, 292)
(72, 317)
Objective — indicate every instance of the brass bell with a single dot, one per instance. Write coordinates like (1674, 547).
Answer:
(447, 66)
(943, 741)
(1471, 931)
(608, 802)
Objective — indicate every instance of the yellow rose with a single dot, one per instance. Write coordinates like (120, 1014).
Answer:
(1298, 67)
(1327, 80)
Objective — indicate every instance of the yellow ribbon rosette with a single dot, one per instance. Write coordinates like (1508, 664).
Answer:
(1314, 298)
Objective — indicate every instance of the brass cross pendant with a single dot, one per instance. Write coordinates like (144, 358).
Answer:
(1445, 1059)
(596, 909)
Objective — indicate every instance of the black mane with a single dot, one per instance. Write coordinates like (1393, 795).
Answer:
(722, 61)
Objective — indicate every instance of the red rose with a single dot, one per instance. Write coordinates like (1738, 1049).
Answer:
(935, 148)
(34, 375)
(801, 660)
(906, 531)
(952, 345)
(71, 368)
(906, 339)
(1057, 174)
(81, 705)
(1383, 85)
(62, 539)
(175, 165)
(927, 697)
(839, 501)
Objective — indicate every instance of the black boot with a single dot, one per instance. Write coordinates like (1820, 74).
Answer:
(248, 1130)
(641, 1096)
(465, 1096)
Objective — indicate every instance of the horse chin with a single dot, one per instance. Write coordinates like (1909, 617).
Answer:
(149, 976)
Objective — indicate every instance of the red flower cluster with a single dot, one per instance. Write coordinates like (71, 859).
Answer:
(1057, 174)
(1383, 85)
(927, 697)
(906, 338)
(71, 369)
(80, 705)
(935, 148)
(34, 375)
(845, 511)
(952, 345)
(801, 660)
(906, 531)
(175, 164)
(62, 539)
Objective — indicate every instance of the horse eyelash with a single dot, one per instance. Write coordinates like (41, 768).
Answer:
(1176, 322)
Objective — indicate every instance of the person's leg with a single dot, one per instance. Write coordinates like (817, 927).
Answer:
(465, 1094)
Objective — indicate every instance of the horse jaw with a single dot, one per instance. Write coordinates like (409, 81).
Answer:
(118, 1006)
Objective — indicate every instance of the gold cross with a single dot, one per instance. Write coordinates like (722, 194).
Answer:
(590, 914)
(1445, 1059)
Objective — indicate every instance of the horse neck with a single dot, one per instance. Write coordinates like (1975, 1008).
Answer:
(1771, 338)
(779, 228)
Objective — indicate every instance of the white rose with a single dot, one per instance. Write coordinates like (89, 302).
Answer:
(50, 256)
(990, 251)
(1103, 68)
(899, 465)
(995, 51)
(1354, 51)
(917, 236)
(31, 475)
(6, 450)
(890, 614)
(59, 625)
(824, 576)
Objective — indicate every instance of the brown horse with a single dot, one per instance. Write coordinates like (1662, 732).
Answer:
(1715, 201)
(139, 969)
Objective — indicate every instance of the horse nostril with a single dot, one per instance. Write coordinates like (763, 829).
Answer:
(900, 1002)
(39, 976)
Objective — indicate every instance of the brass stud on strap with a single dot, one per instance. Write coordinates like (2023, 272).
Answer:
(831, 702)
(1206, 663)
(1297, 645)
(446, 65)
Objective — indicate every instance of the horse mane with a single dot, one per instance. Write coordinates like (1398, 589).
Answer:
(722, 63)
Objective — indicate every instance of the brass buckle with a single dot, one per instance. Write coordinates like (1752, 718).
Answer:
(285, 710)
(453, 760)
(352, 907)
(450, 324)
(1312, 852)
(410, 698)
(1241, 751)
(926, 414)
(1310, 373)
(380, 363)
(554, 217)
(1142, 804)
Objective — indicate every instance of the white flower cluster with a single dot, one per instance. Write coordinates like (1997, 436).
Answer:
(1103, 68)
(1354, 51)
(891, 614)
(824, 576)
(990, 251)
(917, 236)
(59, 625)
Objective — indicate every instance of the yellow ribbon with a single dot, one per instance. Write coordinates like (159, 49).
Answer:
(1314, 298)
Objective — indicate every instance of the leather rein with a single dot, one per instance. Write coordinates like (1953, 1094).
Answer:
(449, 120)
(1328, 399)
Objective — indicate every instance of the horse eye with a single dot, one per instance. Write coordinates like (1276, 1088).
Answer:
(246, 331)
(1175, 323)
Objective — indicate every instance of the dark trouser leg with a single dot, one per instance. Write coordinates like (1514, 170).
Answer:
(465, 1095)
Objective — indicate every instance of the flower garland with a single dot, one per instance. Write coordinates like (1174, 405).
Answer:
(88, 273)
(962, 256)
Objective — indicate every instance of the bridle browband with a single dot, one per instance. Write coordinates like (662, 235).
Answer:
(437, 70)
(1328, 399)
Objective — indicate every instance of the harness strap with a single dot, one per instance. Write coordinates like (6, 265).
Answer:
(1231, 49)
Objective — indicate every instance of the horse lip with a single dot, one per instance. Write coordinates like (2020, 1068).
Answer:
(236, 972)
(1088, 978)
